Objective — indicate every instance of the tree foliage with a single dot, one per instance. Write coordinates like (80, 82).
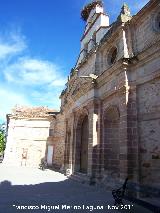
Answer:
(2, 141)
(2, 138)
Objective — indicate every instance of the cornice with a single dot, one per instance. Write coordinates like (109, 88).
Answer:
(120, 92)
(147, 7)
(148, 53)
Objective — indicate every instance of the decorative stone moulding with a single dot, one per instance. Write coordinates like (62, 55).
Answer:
(87, 9)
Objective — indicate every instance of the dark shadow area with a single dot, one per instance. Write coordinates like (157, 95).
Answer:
(146, 205)
(66, 196)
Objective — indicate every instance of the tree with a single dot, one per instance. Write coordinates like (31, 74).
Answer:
(2, 141)
(2, 138)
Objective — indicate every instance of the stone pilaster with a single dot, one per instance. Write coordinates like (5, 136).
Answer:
(92, 141)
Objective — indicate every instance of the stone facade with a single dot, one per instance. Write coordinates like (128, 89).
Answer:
(32, 137)
(108, 127)
(111, 103)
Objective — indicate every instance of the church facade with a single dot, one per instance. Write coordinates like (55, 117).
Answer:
(108, 127)
(112, 101)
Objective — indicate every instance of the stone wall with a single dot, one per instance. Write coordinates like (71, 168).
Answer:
(88, 67)
(26, 137)
(149, 134)
(143, 29)
(59, 141)
(122, 106)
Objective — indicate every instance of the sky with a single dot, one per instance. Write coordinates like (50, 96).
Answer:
(39, 44)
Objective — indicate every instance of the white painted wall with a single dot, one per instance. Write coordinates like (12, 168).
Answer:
(49, 155)
(101, 21)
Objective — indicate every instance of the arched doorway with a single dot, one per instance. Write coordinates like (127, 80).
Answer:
(81, 154)
(84, 146)
(67, 149)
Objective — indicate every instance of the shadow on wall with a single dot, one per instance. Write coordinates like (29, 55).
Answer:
(51, 197)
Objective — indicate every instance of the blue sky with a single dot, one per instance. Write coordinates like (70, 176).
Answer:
(39, 44)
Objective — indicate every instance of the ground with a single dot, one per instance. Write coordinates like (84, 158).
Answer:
(50, 191)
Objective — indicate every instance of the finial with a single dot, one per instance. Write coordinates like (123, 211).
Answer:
(125, 13)
(125, 10)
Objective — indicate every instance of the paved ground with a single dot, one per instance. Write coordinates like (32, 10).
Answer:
(33, 190)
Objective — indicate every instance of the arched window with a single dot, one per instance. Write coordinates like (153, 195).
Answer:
(156, 22)
(112, 55)
(85, 49)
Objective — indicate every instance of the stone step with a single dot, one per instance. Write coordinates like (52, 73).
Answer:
(80, 177)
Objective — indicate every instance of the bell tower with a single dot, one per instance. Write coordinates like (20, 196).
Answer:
(97, 23)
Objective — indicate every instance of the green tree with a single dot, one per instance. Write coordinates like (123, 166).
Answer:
(2, 142)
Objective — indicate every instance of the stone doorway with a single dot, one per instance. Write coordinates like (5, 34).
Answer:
(81, 154)
(67, 149)
(84, 146)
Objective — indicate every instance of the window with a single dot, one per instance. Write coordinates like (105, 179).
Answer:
(94, 38)
(112, 55)
(156, 22)
(86, 47)
(85, 50)
(51, 132)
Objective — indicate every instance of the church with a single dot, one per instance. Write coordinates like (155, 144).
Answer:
(111, 103)
(108, 127)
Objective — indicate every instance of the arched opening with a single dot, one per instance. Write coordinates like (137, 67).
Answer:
(158, 21)
(81, 155)
(84, 146)
(112, 55)
(111, 142)
(67, 149)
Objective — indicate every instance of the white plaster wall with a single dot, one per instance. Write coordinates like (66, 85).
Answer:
(102, 20)
(26, 134)
(30, 122)
(100, 34)
(93, 15)
(33, 133)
